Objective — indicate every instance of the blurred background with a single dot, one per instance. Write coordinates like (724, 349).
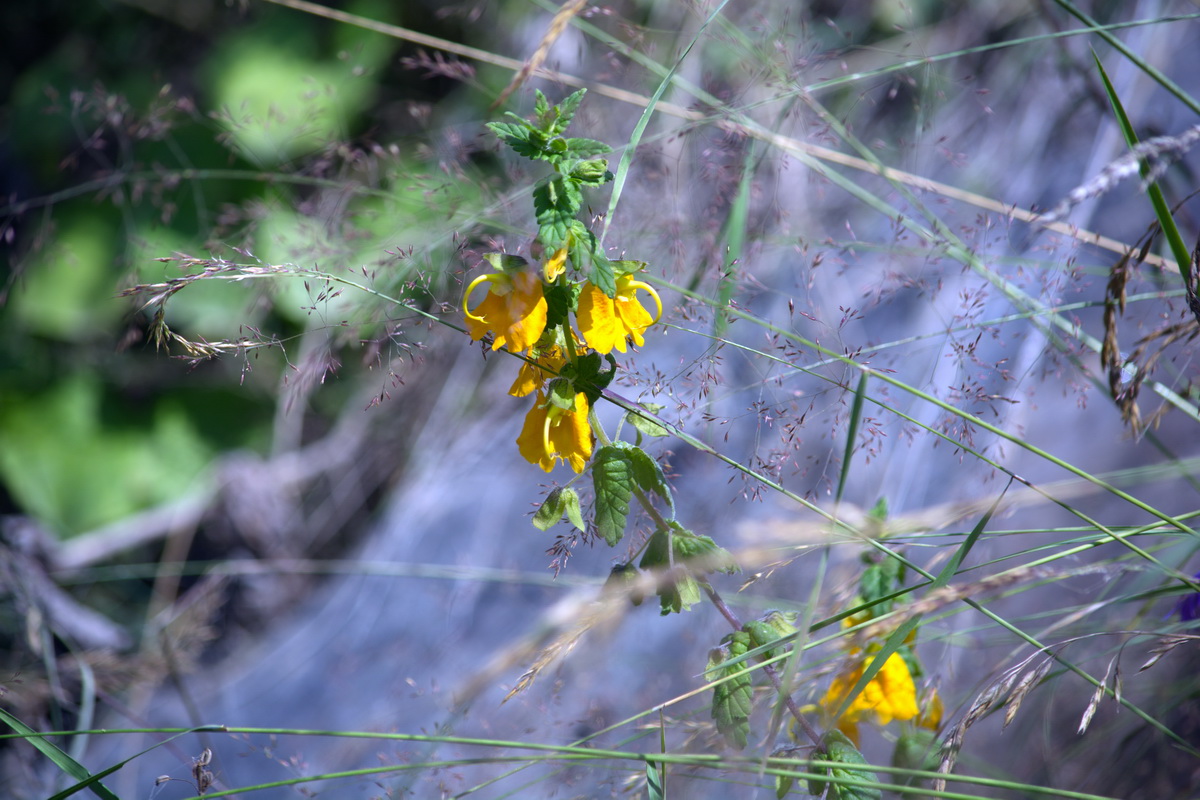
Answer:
(299, 505)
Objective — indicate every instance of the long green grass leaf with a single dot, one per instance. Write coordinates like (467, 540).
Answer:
(60, 759)
(1162, 211)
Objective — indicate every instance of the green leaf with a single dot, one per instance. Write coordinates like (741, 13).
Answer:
(571, 508)
(565, 112)
(647, 426)
(732, 699)
(850, 764)
(1162, 211)
(916, 748)
(586, 148)
(554, 234)
(60, 759)
(873, 586)
(649, 475)
(586, 375)
(655, 556)
(556, 201)
(560, 394)
(541, 106)
(612, 477)
(562, 297)
(563, 500)
(627, 267)
(783, 785)
(601, 275)
(621, 579)
(503, 262)
(654, 786)
(762, 634)
(684, 594)
(510, 130)
(589, 173)
(522, 138)
(783, 622)
(702, 551)
(677, 591)
(816, 786)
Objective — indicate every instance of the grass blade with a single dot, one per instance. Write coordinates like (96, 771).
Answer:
(63, 761)
(640, 128)
(1178, 249)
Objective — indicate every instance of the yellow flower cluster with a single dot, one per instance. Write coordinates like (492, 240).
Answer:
(515, 312)
(890, 695)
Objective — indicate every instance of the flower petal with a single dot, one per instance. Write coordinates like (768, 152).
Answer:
(598, 321)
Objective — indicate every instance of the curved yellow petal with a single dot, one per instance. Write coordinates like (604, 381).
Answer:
(571, 435)
(467, 295)
(556, 266)
(648, 289)
(529, 379)
(598, 321)
(530, 442)
(525, 313)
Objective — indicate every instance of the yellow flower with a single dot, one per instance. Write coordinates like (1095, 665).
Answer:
(514, 309)
(890, 695)
(605, 321)
(556, 266)
(552, 433)
(550, 360)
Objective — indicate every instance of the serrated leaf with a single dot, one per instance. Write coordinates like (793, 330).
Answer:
(510, 130)
(612, 478)
(560, 394)
(689, 547)
(553, 235)
(587, 376)
(816, 786)
(565, 111)
(685, 595)
(562, 297)
(561, 501)
(872, 586)
(549, 512)
(649, 475)
(762, 634)
(541, 106)
(556, 201)
(655, 556)
(601, 275)
(732, 700)
(586, 148)
(627, 267)
(850, 764)
(571, 508)
(647, 426)
(782, 622)
(503, 262)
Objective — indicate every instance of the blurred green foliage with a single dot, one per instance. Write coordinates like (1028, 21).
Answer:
(197, 128)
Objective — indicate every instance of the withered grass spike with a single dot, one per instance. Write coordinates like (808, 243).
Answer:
(1029, 680)
(1158, 154)
(557, 26)
(1090, 711)
(1165, 645)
